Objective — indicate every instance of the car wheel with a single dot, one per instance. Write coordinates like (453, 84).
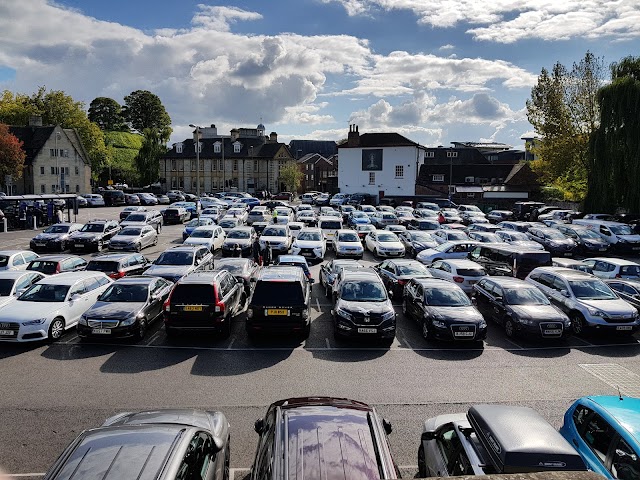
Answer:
(509, 328)
(426, 333)
(56, 329)
(578, 324)
(138, 247)
(422, 464)
(405, 312)
(327, 291)
(100, 246)
(142, 330)
(63, 246)
(375, 252)
(159, 229)
(155, 241)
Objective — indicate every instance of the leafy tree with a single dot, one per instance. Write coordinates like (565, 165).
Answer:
(144, 109)
(107, 114)
(291, 176)
(123, 147)
(12, 155)
(15, 109)
(148, 158)
(614, 171)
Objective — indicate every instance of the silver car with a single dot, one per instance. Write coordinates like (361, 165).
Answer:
(134, 238)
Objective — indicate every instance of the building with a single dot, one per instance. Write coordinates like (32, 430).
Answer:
(246, 160)
(380, 164)
(56, 161)
(300, 148)
(317, 171)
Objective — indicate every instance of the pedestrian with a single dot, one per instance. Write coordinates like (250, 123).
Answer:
(266, 256)
(59, 215)
(22, 215)
(275, 216)
(441, 218)
(50, 210)
(255, 250)
(237, 251)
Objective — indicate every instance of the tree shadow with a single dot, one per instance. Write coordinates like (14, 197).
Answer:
(144, 359)
(228, 363)
(78, 351)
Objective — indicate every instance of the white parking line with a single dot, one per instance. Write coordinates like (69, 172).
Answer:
(582, 340)
(24, 474)
(318, 303)
(153, 338)
(231, 343)
(514, 343)
(327, 342)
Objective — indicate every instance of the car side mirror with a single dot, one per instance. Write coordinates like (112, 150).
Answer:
(564, 293)
(474, 301)
(74, 297)
(312, 281)
(387, 426)
(258, 426)
(430, 435)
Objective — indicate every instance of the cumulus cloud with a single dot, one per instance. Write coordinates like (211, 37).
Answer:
(507, 21)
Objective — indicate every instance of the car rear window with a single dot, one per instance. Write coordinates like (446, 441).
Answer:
(6, 284)
(534, 258)
(48, 268)
(331, 224)
(268, 293)
(471, 272)
(193, 293)
(102, 266)
(630, 270)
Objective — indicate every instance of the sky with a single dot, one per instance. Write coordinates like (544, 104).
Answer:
(435, 71)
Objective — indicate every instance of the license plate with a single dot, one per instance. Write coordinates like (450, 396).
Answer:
(463, 334)
(567, 254)
(193, 308)
(367, 330)
(307, 254)
(78, 245)
(101, 331)
(277, 311)
(6, 332)
(624, 327)
(40, 244)
(635, 248)
(552, 332)
(603, 249)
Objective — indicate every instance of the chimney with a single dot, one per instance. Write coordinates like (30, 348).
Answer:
(234, 134)
(353, 140)
(273, 137)
(35, 121)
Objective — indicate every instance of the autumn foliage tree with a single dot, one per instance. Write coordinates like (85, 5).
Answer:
(12, 155)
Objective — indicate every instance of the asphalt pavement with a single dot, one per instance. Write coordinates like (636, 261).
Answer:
(49, 393)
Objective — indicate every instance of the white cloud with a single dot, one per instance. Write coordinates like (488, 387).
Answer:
(446, 47)
(220, 18)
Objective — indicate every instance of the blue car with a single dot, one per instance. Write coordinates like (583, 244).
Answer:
(358, 217)
(195, 223)
(250, 202)
(605, 430)
(190, 207)
(295, 260)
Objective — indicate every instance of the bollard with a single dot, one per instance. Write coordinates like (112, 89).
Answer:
(4, 224)
(35, 223)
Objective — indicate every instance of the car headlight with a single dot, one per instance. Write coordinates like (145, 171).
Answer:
(344, 314)
(38, 321)
(636, 314)
(482, 325)
(439, 324)
(131, 319)
(388, 315)
(317, 250)
(597, 313)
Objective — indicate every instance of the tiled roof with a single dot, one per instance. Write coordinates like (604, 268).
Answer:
(33, 139)
(260, 149)
(368, 140)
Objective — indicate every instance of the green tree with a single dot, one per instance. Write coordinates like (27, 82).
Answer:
(144, 109)
(614, 171)
(15, 109)
(123, 147)
(12, 155)
(148, 158)
(107, 114)
(291, 176)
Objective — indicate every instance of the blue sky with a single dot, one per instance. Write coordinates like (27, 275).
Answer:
(435, 71)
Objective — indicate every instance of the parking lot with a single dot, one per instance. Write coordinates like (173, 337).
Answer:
(51, 392)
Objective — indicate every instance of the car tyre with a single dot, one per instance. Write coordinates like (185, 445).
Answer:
(142, 329)
(56, 329)
(405, 311)
(426, 332)
(138, 247)
(99, 246)
(509, 328)
(375, 252)
(422, 464)
(159, 229)
(578, 324)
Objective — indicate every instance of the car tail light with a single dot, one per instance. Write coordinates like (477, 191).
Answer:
(167, 304)
(618, 275)
(58, 268)
(118, 274)
(458, 279)
(219, 307)
(401, 282)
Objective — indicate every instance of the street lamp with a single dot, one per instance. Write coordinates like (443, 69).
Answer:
(197, 158)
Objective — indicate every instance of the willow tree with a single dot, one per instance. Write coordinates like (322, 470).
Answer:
(148, 159)
(614, 170)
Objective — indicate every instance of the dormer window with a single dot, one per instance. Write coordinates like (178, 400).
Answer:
(237, 147)
(217, 147)
(178, 147)
(199, 147)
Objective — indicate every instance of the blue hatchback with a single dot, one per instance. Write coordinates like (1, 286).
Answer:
(606, 432)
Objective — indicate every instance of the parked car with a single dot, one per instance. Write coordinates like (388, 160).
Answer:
(185, 444)
(162, 199)
(570, 263)
(131, 199)
(94, 200)
(14, 282)
(244, 269)
(176, 262)
(442, 310)
(553, 241)
(126, 211)
(346, 243)
(588, 301)
(195, 223)
(485, 237)
(174, 214)
(517, 226)
(134, 238)
(357, 217)
(456, 249)
(587, 241)
(52, 264)
(339, 199)
(628, 290)
(113, 198)
(519, 239)
(346, 437)
(54, 238)
(258, 214)
(605, 267)
(465, 273)
(153, 218)
(243, 237)
(16, 259)
(191, 207)
(490, 439)
(621, 237)
(362, 308)
(310, 244)
(443, 236)
(118, 265)
(603, 429)
(94, 235)
(502, 259)
(384, 244)
(280, 302)
(204, 302)
(175, 196)
(147, 199)
(425, 224)
(278, 237)
(329, 272)
(416, 241)
(126, 308)
(497, 216)
(363, 231)
(51, 306)
(295, 261)
(210, 236)
(396, 273)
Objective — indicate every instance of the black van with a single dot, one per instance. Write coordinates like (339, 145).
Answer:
(280, 302)
(509, 260)
(113, 198)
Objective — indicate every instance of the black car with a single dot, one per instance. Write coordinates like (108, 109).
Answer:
(553, 241)
(416, 241)
(442, 310)
(243, 237)
(587, 240)
(118, 265)
(154, 445)
(280, 302)
(244, 269)
(510, 260)
(52, 264)
(628, 290)
(522, 210)
(345, 438)
(94, 235)
(424, 224)
(362, 308)
(113, 198)
(125, 309)
(362, 198)
(396, 273)
(54, 238)
(521, 308)
(204, 302)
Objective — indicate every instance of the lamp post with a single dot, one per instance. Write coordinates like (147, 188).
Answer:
(197, 143)
(450, 175)
(57, 164)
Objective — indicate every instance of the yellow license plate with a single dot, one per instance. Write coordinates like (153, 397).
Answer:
(193, 308)
(277, 311)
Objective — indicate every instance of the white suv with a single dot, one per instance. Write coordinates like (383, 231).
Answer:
(310, 243)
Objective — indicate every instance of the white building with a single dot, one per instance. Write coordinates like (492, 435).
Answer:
(380, 164)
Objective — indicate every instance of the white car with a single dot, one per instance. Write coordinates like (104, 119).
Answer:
(384, 244)
(278, 237)
(238, 212)
(310, 243)
(208, 202)
(455, 249)
(281, 213)
(214, 213)
(16, 259)
(328, 211)
(51, 306)
(94, 200)
(605, 267)
(259, 213)
(519, 239)
(14, 282)
(307, 217)
(295, 228)
(464, 273)
(346, 243)
(211, 236)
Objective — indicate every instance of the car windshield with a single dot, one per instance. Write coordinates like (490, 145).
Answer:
(359, 215)
(518, 236)
(197, 222)
(387, 237)
(238, 234)
(412, 269)
(6, 284)
(46, 267)
(471, 272)
(591, 290)
(102, 266)
(588, 234)
(363, 291)
(365, 228)
(136, 217)
(129, 232)
(310, 236)
(421, 237)
(202, 234)
(93, 227)
(125, 293)
(228, 223)
(554, 235)
(45, 293)
(233, 268)
(446, 297)
(525, 296)
(621, 229)
(57, 229)
(274, 232)
(456, 236)
(491, 237)
(348, 237)
(4, 260)
(175, 258)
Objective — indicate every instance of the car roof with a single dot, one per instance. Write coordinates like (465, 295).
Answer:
(13, 252)
(200, 277)
(186, 248)
(52, 258)
(13, 274)
(111, 257)
(462, 263)
(623, 409)
(292, 258)
(360, 274)
(510, 282)
(283, 273)
(136, 279)
(567, 272)
(69, 278)
(614, 261)
(428, 282)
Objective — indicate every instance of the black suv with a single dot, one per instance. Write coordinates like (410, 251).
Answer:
(346, 438)
(155, 445)
(362, 199)
(363, 308)
(118, 265)
(280, 301)
(509, 260)
(204, 301)
(113, 198)
(54, 238)
(94, 235)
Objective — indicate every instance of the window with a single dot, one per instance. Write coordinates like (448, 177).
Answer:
(194, 185)
(53, 189)
(41, 170)
(598, 435)
(53, 170)
(65, 153)
(625, 463)
(174, 166)
(197, 459)
(42, 189)
(372, 178)
(452, 154)
(178, 148)
(66, 171)
(399, 171)
(429, 154)
(235, 165)
(236, 147)
(255, 165)
(77, 171)
(214, 164)
(437, 178)
(202, 165)
(66, 188)
(193, 165)
(220, 165)
(216, 147)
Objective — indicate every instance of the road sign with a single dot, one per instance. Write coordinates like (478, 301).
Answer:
(109, 182)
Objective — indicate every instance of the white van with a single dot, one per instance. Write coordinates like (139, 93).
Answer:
(329, 225)
(620, 235)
